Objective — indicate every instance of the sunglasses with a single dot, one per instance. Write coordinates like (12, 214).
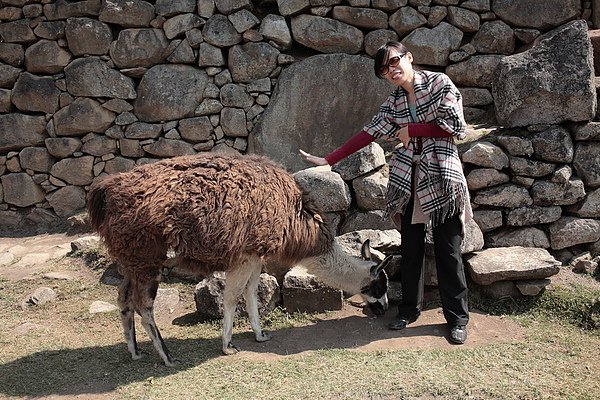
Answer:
(392, 62)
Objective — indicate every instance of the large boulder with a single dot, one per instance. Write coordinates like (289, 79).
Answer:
(476, 71)
(290, 122)
(20, 190)
(20, 131)
(220, 32)
(16, 32)
(531, 13)
(208, 296)
(35, 93)
(46, 57)
(587, 163)
(570, 231)
(11, 53)
(67, 200)
(65, 9)
(169, 92)
(327, 188)
(82, 116)
(139, 48)
(252, 61)
(87, 36)
(433, 46)
(75, 171)
(304, 292)
(326, 35)
(511, 263)
(551, 83)
(92, 77)
(127, 13)
(8, 75)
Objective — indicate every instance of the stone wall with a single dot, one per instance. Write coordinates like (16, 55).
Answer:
(534, 182)
(538, 187)
(89, 88)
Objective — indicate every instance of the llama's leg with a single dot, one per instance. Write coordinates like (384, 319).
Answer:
(127, 320)
(144, 295)
(235, 282)
(250, 295)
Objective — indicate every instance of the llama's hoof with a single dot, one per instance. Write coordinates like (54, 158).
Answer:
(230, 349)
(173, 363)
(264, 336)
(138, 356)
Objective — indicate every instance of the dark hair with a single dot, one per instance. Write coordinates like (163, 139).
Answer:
(383, 55)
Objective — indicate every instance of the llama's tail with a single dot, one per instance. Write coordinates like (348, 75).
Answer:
(96, 200)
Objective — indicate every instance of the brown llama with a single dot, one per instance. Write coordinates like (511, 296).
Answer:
(217, 212)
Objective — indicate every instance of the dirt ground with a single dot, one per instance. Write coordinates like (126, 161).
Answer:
(351, 327)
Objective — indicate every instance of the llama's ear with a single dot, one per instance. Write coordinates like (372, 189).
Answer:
(308, 215)
(377, 269)
(365, 250)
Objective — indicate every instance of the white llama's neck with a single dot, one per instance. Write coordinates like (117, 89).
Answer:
(340, 270)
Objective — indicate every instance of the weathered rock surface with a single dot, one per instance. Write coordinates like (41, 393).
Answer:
(169, 92)
(303, 292)
(511, 263)
(528, 92)
(208, 296)
(317, 77)
(91, 77)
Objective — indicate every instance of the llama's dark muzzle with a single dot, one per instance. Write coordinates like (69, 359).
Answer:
(379, 307)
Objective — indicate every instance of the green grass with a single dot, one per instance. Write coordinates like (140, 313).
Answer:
(577, 304)
(73, 354)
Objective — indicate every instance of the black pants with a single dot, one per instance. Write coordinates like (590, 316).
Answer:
(452, 283)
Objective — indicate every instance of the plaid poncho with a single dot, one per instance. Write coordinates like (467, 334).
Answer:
(441, 185)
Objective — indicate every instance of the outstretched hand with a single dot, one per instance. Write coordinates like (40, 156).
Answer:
(313, 159)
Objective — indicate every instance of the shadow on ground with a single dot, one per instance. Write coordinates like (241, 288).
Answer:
(97, 369)
(351, 329)
(102, 369)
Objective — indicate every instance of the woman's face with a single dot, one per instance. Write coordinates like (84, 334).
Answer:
(398, 68)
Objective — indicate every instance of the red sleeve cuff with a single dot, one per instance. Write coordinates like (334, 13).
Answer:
(355, 143)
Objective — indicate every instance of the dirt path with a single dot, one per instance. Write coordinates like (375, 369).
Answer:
(22, 258)
(351, 329)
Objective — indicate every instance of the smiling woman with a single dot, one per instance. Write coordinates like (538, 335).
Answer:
(427, 188)
(391, 62)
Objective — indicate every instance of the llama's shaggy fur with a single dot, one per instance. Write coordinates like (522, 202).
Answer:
(215, 212)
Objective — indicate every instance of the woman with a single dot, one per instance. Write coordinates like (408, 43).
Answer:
(426, 186)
